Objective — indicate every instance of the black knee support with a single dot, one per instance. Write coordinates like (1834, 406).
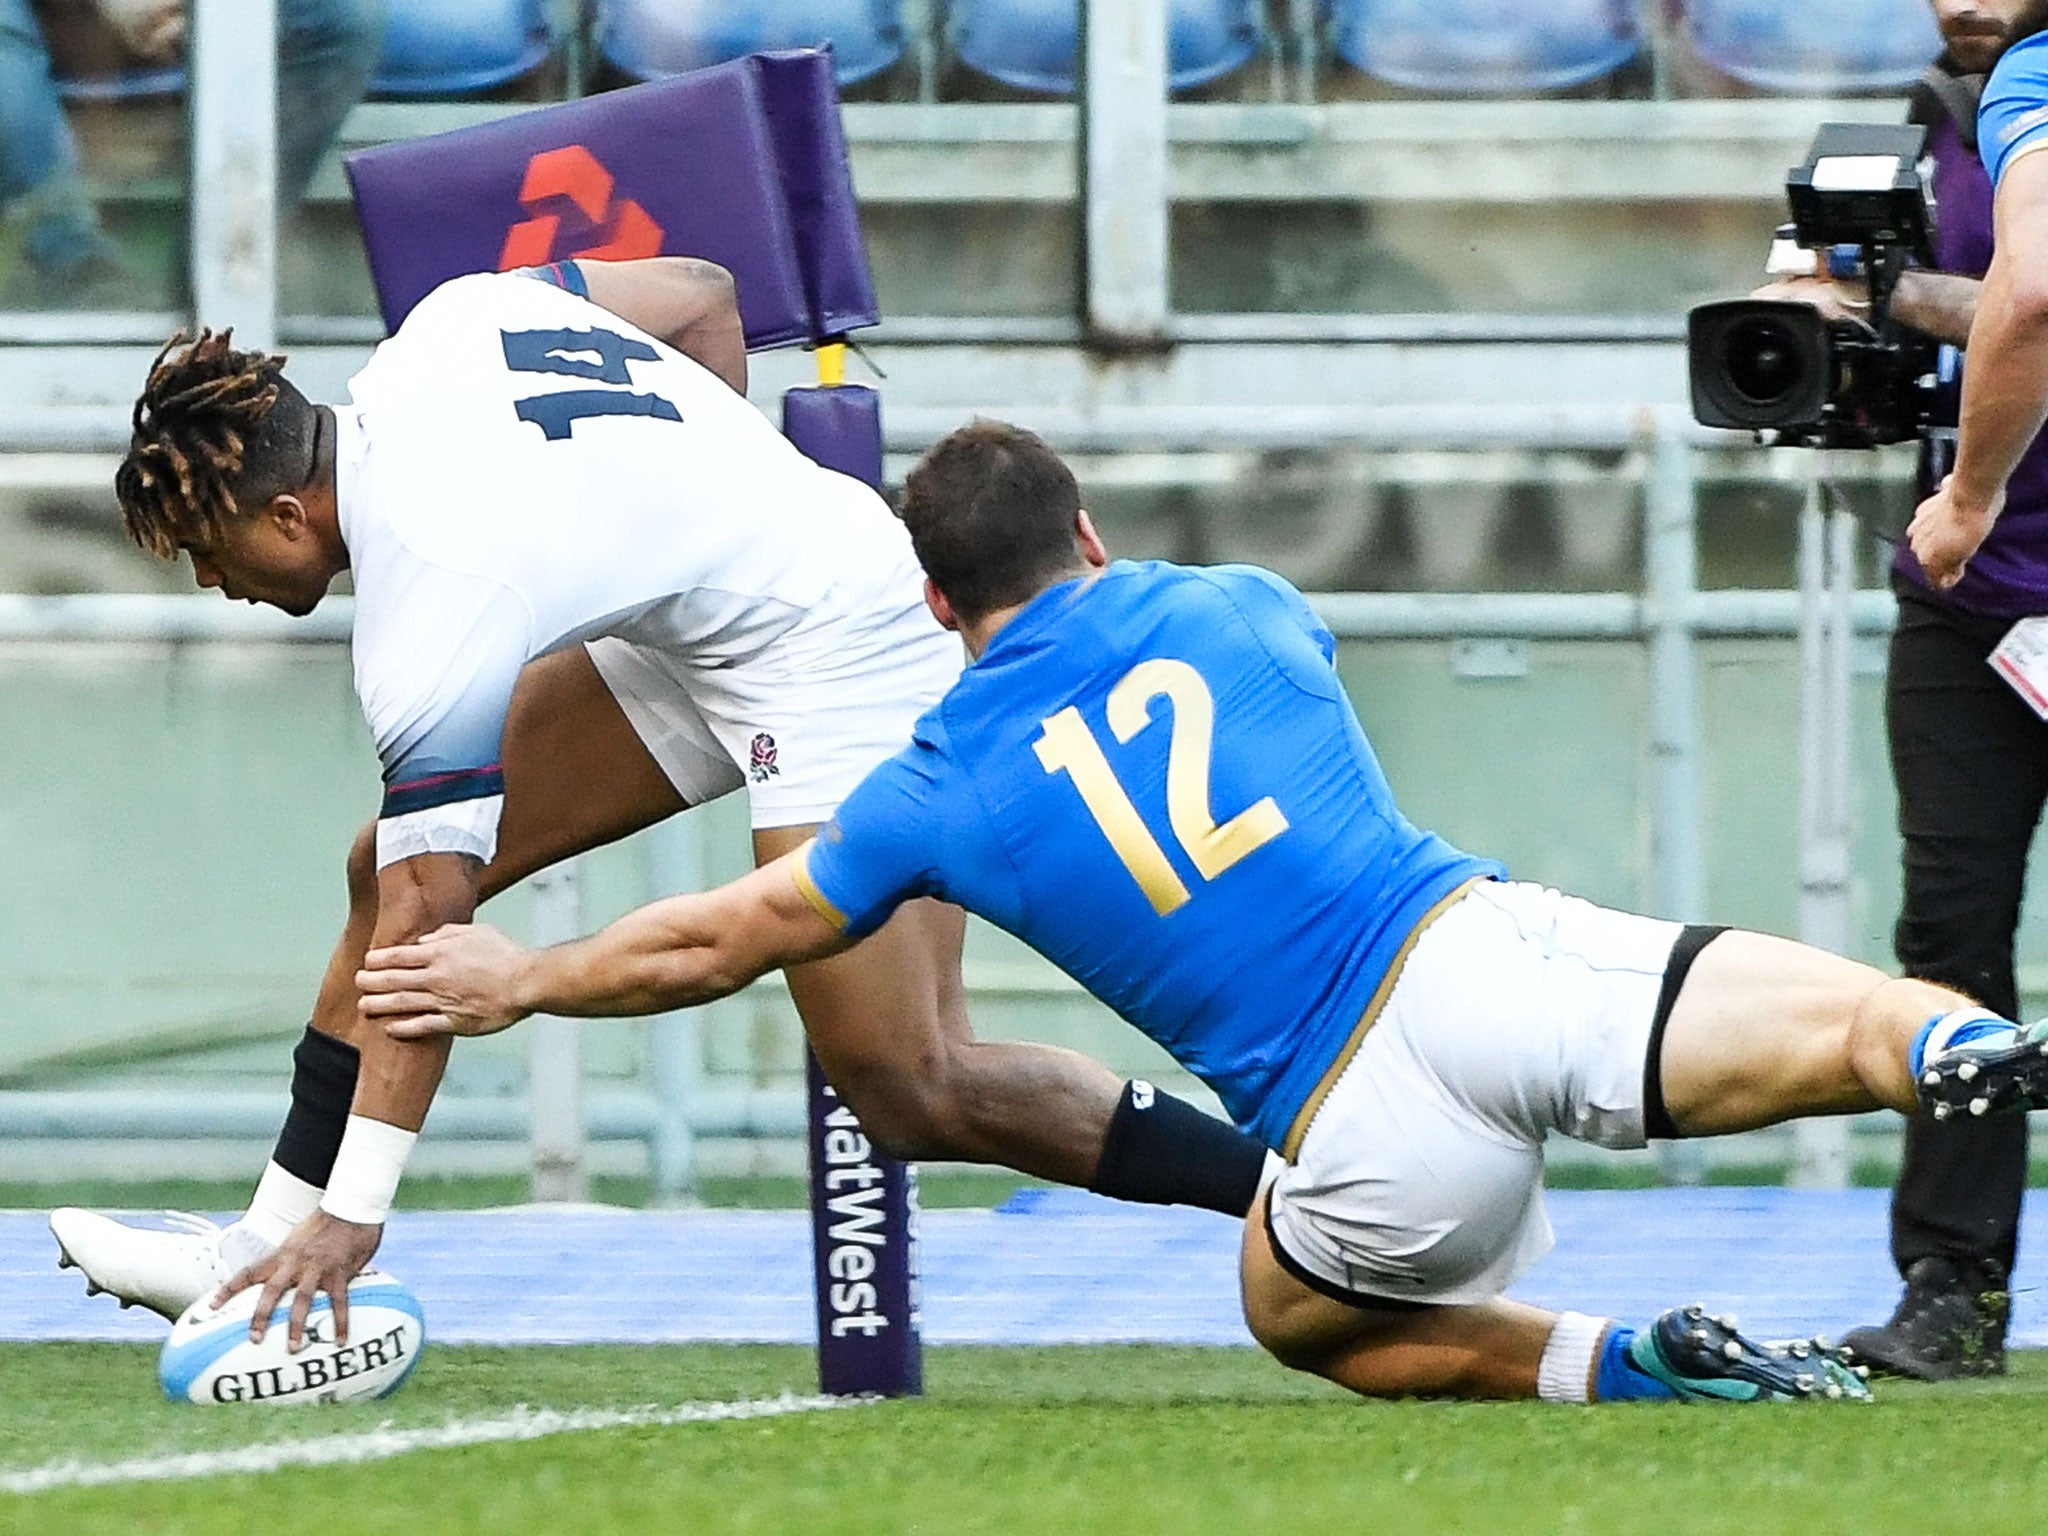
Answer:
(1163, 1151)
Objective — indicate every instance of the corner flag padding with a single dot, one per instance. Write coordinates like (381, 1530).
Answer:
(744, 164)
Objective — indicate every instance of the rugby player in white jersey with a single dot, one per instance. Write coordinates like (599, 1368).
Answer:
(593, 586)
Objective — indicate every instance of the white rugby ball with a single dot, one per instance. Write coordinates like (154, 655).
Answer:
(209, 1357)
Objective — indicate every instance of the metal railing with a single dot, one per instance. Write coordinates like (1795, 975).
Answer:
(672, 1107)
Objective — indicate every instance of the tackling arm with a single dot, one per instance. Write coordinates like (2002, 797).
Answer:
(687, 302)
(676, 953)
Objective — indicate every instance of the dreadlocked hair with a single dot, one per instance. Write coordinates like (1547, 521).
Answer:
(217, 433)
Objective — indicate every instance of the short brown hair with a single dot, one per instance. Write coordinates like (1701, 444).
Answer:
(216, 434)
(991, 512)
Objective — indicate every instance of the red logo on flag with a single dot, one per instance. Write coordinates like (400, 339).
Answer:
(568, 194)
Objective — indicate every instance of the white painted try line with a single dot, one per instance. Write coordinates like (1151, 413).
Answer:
(521, 1423)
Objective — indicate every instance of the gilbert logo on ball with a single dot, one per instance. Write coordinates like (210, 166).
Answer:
(209, 1357)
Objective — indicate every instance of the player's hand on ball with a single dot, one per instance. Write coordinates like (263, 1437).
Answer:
(457, 980)
(323, 1253)
(1946, 532)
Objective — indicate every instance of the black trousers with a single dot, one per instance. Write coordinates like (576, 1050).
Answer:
(1971, 764)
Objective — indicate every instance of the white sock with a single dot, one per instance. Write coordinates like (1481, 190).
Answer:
(282, 1200)
(1565, 1374)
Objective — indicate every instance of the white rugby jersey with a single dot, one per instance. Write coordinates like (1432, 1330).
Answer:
(522, 470)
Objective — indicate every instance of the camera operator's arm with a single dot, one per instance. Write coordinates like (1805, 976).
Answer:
(1942, 305)
(2005, 388)
(1938, 304)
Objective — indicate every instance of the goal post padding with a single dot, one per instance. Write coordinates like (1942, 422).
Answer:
(743, 163)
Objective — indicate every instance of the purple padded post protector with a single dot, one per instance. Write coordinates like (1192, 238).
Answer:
(687, 166)
(863, 1204)
(864, 1244)
(839, 427)
(802, 101)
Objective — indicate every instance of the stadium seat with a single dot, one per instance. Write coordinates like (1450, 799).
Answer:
(128, 85)
(1486, 47)
(653, 39)
(1032, 45)
(458, 47)
(1815, 47)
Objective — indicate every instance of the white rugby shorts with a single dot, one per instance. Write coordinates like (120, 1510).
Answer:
(1518, 1011)
(802, 723)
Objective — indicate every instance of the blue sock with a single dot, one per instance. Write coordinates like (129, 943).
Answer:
(1964, 1026)
(1618, 1380)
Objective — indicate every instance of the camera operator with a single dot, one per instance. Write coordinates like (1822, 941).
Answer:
(1969, 756)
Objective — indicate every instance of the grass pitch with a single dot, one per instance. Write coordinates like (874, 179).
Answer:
(1127, 1440)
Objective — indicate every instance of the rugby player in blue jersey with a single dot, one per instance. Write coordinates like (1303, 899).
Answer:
(1151, 774)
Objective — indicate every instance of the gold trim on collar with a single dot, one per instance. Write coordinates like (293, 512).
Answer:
(1307, 1113)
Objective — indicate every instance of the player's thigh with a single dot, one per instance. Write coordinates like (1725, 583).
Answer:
(893, 1007)
(818, 709)
(1760, 1029)
(1401, 1190)
(1297, 1323)
(577, 774)
(1535, 1011)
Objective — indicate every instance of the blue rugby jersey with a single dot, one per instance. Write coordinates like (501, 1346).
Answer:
(2012, 115)
(1154, 778)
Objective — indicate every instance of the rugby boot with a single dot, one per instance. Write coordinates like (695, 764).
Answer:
(164, 1268)
(1703, 1359)
(1982, 1065)
(1950, 1322)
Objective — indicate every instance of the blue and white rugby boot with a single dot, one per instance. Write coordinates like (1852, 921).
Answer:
(1974, 1063)
(1703, 1359)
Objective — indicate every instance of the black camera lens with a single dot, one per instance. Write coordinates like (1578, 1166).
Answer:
(1764, 362)
(1759, 365)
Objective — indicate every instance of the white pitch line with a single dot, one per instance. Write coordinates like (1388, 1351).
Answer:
(521, 1423)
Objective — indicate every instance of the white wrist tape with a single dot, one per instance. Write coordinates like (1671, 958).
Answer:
(1566, 1372)
(366, 1171)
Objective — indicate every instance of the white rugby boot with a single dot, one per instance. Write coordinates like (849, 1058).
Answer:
(165, 1269)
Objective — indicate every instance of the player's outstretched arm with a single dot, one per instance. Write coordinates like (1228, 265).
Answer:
(687, 950)
(686, 301)
(399, 1076)
(395, 1085)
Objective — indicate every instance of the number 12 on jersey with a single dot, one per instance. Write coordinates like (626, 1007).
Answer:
(1066, 745)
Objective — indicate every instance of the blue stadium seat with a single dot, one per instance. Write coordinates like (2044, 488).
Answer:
(652, 39)
(1032, 45)
(1486, 47)
(1815, 47)
(129, 85)
(458, 47)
